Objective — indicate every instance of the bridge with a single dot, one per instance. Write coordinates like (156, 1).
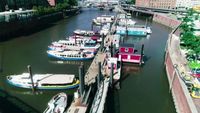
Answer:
(149, 10)
(138, 10)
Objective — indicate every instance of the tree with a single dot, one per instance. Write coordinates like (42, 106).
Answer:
(71, 2)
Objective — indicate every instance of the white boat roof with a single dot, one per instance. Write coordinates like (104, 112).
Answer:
(57, 79)
(77, 109)
(112, 60)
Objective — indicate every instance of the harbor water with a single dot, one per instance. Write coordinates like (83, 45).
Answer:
(143, 89)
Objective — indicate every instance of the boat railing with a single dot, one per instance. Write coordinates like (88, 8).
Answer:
(98, 95)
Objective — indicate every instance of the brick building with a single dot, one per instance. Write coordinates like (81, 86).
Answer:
(166, 4)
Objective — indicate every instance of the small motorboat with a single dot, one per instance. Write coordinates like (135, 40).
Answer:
(84, 32)
(57, 104)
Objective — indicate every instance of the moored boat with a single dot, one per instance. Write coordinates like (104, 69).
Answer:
(116, 68)
(127, 53)
(103, 19)
(44, 81)
(84, 32)
(126, 22)
(57, 104)
(71, 55)
(73, 45)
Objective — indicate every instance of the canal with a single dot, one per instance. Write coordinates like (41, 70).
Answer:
(143, 90)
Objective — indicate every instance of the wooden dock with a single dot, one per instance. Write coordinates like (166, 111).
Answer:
(90, 77)
(100, 57)
(93, 69)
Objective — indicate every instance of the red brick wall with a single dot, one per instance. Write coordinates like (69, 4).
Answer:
(178, 93)
(167, 21)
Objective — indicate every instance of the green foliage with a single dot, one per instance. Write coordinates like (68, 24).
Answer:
(71, 2)
(194, 64)
(41, 10)
(188, 40)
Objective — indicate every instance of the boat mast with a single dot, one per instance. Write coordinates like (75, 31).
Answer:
(31, 77)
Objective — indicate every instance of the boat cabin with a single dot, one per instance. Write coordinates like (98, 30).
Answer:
(116, 40)
(127, 53)
(126, 48)
(110, 61)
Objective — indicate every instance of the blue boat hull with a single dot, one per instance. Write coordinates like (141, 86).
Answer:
(132, 33)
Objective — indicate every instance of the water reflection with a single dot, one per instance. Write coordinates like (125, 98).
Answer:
(12, 104)
(131, 68)
(54, 61)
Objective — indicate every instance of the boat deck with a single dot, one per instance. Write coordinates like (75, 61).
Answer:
(100, 97)
(57, 79)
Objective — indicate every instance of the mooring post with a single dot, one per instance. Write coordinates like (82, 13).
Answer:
(92, 26)
(102, 42)
(111, 74)
(111, 49)
(31, 77)
(114, 48)
(99, 74)
(146, 23)
(142, 54)
(173, 77)
(1, 62)
(81, 78)
(136, 14)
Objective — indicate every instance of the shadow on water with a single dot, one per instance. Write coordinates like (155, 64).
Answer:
(26, 31)
(1, 58)
(130, 69)
(11, 104)
(112, 101)
(146, 59)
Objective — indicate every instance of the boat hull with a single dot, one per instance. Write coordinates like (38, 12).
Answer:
(66, 87)
(132, 33)
(69, 59)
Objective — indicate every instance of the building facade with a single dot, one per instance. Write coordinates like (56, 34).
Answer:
(195, 3)
(183, 3)
(167, 4)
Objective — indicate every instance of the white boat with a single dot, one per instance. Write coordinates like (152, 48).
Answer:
(126, 22)
(57, 104)
(74, 45)
(116, 68)
(148, 30)
(128, 15)
(84, 32)
(81, 39)
(104, 19)
(122, 16)
(71, 55)
(44, 81)
(105, 29)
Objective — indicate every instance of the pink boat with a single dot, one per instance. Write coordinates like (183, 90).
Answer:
(128, 54)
